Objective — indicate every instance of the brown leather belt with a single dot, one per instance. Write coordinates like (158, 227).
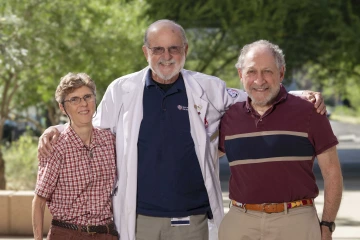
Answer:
(101, 229)
(273, 207)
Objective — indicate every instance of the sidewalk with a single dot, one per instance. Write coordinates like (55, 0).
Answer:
(348, 218)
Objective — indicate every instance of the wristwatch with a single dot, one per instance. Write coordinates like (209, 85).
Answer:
(330, 225)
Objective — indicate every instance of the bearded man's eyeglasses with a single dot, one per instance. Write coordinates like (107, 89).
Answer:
(160, 50)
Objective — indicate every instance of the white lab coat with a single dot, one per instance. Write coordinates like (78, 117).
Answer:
(121, 110)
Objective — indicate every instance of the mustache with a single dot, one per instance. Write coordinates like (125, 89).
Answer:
(260, 87)
(162, 61)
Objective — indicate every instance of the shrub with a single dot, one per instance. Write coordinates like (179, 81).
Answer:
(21, 163)
(345, 114)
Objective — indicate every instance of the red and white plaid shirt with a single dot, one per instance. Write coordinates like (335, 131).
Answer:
(77, 180)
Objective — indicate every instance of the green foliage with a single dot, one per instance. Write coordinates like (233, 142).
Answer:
(104, 38)
(11, 52)
(345, 111)
(335, 86)
(12, 57)
(21, 163)
(42, 40)
(101, 38)
(325, 33)
(345, 114)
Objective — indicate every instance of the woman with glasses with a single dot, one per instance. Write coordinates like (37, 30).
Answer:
(76, 181)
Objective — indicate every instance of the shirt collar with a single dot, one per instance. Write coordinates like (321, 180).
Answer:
(76, 140)
(179, 83)
(282, 95)
(148, 79)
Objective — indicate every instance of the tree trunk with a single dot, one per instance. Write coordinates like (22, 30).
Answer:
(2, 172)
(2, 162)
(53, 115)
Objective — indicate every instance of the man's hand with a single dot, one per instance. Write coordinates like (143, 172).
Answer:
(49, 137)
(325, 233)
(317, 99)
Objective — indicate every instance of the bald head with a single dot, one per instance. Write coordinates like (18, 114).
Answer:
(164, 24)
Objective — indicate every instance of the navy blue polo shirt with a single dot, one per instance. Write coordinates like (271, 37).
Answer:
(170, 182)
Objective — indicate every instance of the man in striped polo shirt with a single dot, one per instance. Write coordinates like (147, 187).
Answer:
(271, 141)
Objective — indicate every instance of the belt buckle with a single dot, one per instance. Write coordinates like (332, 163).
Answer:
(88, 230)
(264, 207)
(266, 210)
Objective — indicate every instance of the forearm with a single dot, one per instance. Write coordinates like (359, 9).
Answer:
(38, 209)
(333, 183)
(333, 186)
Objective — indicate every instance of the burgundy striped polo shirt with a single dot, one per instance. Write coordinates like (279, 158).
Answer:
(271, 157)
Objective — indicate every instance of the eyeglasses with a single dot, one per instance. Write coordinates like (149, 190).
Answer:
(161, 50)
(76, 100)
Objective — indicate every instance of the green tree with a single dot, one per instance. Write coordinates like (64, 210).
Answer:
(99, 38)
(320, 32)
(42, 40)
(11, 62)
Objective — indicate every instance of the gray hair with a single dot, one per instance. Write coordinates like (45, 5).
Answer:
(72, 81)
(165, 21)
(276, 51)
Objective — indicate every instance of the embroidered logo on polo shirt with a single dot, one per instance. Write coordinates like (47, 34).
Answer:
(233, 93)
(182, 108)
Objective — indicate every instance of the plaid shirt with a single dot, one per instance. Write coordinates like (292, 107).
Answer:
(77, 180)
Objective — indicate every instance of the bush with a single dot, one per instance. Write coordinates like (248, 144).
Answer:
(345, 114)
(345, 111)
(21, 163)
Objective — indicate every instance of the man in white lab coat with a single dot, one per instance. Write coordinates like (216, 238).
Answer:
(166, 123)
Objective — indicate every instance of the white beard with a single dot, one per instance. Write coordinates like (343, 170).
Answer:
(169, 76)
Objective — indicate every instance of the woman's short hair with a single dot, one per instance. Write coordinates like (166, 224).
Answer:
(72, 81)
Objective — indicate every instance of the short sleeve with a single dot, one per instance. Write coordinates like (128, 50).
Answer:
(320, 133)
(48, 173)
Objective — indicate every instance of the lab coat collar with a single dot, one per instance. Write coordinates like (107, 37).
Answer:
(192, 83)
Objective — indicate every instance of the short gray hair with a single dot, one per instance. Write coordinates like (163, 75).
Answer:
(166, 21)
(275, 49)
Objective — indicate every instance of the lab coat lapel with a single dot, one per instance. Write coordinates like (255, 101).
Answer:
(133, 102)
(132, 117)
(197, 113)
